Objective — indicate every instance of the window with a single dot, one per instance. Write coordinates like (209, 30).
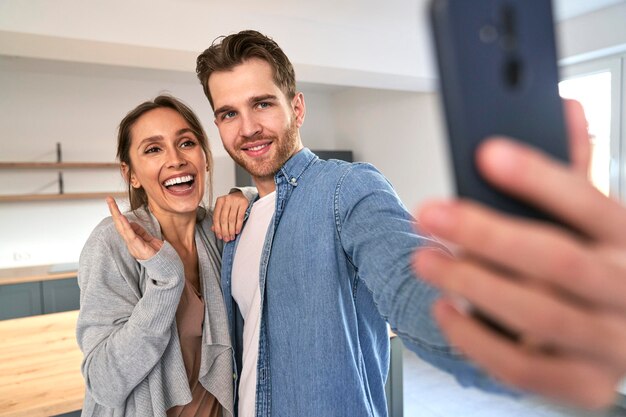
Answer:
(597, 86)
(593, 91)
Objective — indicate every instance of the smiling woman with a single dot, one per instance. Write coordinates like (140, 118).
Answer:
(163, 116)
(168, 166)
(152, 325)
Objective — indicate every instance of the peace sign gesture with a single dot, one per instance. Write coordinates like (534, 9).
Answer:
(141, 244)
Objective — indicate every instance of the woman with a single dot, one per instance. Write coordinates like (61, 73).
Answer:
(152, 324)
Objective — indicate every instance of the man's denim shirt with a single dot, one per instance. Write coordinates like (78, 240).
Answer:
(335, 268)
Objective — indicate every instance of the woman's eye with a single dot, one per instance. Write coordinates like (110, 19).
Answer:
(152, 149)
(188, 143)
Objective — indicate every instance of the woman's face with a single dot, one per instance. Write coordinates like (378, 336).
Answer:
(168, 162)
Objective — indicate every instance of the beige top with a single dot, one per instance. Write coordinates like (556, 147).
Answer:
(189, 318)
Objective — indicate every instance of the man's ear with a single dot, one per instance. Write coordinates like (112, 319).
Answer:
(128, 176)
(299, 108)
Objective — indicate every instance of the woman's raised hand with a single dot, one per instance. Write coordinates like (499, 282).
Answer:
(141, 244)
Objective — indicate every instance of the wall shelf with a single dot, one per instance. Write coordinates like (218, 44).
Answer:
(65, 196)
(59, 166)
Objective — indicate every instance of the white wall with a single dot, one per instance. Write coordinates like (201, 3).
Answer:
(349, 42)
(80, 106)
(319, 128)
(594, 34)
(401, 133)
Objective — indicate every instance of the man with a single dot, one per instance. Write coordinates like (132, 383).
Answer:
(324, 260)
(562, 291)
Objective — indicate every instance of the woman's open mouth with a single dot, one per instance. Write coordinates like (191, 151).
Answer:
(179, 184)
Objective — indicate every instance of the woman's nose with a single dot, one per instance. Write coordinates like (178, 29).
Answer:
(176, 159)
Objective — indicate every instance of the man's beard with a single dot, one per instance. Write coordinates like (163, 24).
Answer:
(284, 148)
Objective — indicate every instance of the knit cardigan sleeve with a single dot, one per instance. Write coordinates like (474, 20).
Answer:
(127, 308)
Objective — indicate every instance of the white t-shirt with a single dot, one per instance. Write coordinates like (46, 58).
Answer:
(246, 292)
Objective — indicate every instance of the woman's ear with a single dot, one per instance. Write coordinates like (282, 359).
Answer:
(129, 176)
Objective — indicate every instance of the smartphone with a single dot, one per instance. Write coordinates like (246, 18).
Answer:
(498, 76)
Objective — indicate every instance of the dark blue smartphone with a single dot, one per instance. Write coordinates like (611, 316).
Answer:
(498, 76)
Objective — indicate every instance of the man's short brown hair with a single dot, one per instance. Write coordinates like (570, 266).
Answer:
(227, 52)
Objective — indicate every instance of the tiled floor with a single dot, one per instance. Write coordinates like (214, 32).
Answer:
(429, 392)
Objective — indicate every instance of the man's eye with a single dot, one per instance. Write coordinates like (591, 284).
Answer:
(263, 105)
(229, 115)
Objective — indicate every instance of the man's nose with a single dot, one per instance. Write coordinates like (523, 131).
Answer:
(250, 126)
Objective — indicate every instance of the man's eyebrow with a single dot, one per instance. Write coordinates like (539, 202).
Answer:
(263, 97)
(222, 109)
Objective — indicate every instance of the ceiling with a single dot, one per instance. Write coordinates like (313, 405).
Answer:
(360, 43)
(566, 9)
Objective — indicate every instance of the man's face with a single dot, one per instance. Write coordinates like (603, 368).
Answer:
(258, 124)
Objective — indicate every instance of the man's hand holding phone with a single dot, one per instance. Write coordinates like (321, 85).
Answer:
(562, 292)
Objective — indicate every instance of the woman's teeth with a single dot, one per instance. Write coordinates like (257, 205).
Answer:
(178, 180)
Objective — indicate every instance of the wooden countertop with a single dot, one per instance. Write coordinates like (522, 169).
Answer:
(40, 366)
(37, 273)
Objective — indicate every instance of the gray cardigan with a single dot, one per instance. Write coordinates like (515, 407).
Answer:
(126, 328)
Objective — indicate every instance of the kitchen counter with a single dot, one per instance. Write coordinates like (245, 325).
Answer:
(37, 273)
(40, 366)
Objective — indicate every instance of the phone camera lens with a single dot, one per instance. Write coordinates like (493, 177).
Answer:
(488, 34)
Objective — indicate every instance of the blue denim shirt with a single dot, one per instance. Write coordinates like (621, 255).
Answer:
(335, 268)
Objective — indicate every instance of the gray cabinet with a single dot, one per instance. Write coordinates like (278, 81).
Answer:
(72, 414)
(60, 295)
(20, 300)
(40, 297)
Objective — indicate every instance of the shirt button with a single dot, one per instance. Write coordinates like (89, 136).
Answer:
(234, 376)
(293, 181)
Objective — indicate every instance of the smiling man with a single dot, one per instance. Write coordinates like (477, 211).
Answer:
(323, 261)
(258, 123)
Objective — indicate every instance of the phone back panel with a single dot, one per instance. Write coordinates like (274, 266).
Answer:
(498, 76)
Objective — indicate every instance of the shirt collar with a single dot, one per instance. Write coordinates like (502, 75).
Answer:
(295, 166)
